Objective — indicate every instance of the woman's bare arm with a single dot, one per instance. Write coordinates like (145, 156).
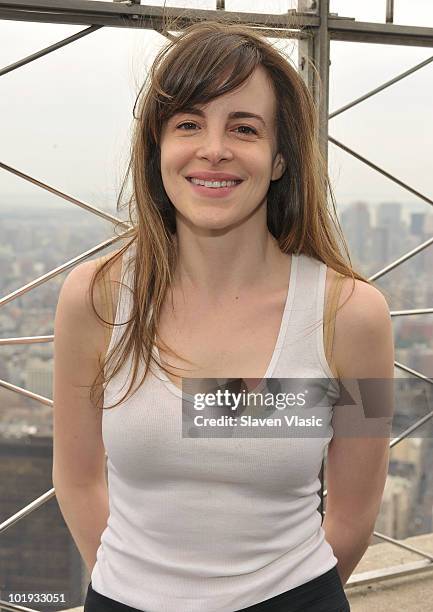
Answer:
(78, 451)
(357, 463)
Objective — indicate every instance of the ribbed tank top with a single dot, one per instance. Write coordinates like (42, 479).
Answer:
(214, 524)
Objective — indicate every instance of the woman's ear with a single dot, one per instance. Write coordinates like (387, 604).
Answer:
(279, 167)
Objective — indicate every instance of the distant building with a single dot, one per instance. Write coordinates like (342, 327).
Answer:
(389, 216)
(356, 226)
(38, 376)
(393, 519)
(417, 221)
(37, 554)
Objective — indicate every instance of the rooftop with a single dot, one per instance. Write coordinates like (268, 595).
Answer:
(403, 593)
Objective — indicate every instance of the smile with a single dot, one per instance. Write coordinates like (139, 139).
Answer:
(213, 192)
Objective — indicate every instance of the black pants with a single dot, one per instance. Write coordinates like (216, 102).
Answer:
(322, 594)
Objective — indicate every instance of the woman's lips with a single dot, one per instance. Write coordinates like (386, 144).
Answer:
(213, 192)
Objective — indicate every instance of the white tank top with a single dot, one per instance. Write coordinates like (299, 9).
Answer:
(214, 524)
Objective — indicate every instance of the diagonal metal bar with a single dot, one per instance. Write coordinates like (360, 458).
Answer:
(35, 396)
(381, 87)
(401, 259)
(401, 366)
(381, 170)
(26, 340)
(8, 607)
(34, 505)
(399, 543)
(65, 196)
(412, 428)
(52, 273)
(395, 571)
(46, 50)
(417, 311)
(423, 419)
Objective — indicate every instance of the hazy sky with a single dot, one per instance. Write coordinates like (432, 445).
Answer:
(65, 118)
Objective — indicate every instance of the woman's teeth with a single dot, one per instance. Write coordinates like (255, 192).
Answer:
(213, 184)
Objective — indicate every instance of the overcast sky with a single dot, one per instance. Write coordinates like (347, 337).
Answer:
(66, 117)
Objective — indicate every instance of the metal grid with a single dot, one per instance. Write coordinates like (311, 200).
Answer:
(319, 27)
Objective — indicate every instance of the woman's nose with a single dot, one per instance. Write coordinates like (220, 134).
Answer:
(214, 146)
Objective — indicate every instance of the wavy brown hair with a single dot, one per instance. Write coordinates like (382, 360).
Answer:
(192, 69)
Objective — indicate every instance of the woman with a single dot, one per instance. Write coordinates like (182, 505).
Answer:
(235, 279)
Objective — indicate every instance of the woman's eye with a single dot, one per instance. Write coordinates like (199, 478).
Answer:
(248, 128)
(252, 130)
(186, 123)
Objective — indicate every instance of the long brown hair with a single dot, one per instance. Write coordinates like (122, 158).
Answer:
(190, 70)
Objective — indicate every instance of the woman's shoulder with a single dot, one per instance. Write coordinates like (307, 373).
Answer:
(99, 292)
(362, 315)
(361, 299)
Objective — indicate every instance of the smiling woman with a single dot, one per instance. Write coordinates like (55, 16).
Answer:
(242, 282)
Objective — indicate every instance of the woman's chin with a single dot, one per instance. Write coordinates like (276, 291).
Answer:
(208, 220)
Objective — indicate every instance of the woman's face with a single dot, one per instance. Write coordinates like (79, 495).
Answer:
(215, 142)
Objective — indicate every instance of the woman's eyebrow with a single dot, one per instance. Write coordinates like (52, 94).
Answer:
(234, 115)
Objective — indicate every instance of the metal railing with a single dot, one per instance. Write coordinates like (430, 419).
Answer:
(318, 28)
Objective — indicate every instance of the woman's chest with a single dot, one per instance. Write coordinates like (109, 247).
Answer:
(233, 341)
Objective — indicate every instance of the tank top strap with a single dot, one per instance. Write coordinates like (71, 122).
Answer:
(307, 304)
(305, 338)
(310, 294)
(123, 306)
(322, 332)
